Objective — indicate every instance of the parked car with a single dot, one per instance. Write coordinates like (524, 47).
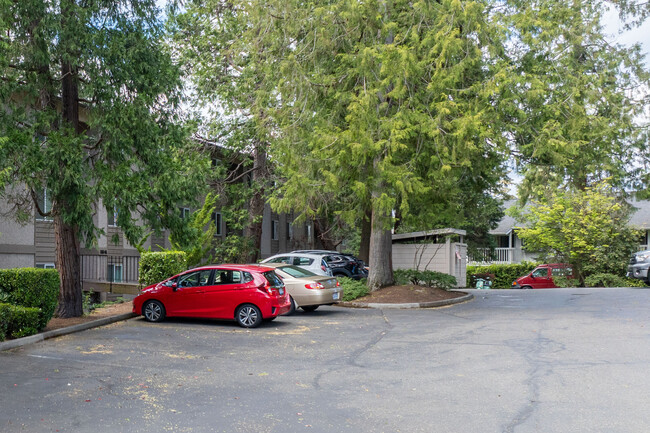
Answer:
(542, 276)
(247, 294)
(312, 262)
(306, 289)
(342, 264)
(639, 265)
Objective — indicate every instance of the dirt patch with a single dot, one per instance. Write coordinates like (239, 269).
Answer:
(99, 313)
(407, 294)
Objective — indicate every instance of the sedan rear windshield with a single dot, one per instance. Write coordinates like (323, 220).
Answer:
(272, 278)
(297, 272)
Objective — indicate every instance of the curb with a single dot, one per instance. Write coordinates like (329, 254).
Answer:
(63, 331)
(458, 300)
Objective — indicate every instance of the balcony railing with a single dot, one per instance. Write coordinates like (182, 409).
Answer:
(492, 256)
(110, 269)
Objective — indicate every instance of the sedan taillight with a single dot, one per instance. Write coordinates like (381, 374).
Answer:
(316, 286)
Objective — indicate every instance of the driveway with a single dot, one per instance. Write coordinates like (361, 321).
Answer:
(563, 360)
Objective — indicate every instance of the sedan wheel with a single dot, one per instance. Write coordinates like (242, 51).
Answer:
(153, 311)
(248, 316)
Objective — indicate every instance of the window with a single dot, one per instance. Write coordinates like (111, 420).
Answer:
(185, 212)
(302, 261)
(283, 259)
(308, 231)
(561, 272)
(195, 279)
(44, 203)
(216, 162)
(112, 216)
(540, 273)
(216, 217)
(45, 266)
(115, 273)
(274, 230)
(228, 277)
(289, 232)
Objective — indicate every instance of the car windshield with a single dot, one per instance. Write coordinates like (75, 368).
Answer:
(296, 272)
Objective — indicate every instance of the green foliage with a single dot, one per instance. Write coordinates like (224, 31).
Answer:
(89, 103)
(606, 280)
(425, 278)
(29, 287)
(564, 282)
(17, 321)
(198, 240)
(353, 289)
(571, 96)
(158, 266)
(588, 229)
(233, 249)
(634, 282)
(504, 274)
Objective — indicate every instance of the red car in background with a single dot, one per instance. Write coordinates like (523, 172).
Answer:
(247, 294)
(542, 276)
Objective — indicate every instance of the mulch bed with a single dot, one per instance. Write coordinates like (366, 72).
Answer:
(99, 313)
(407, 294)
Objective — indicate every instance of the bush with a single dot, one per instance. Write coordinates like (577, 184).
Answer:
(353, 289)
(29, 287)
(158, 266)
(605, 280)
(425, 278)
(504, 275)
(17, 321)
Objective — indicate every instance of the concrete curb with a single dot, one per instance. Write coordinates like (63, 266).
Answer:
(63, 331)
(458, 300)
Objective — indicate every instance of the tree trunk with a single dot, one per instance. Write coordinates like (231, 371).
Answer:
(364, 247)
(68, 265)
(381, 251)
(320, 231)
(253, 229)
(65, 235)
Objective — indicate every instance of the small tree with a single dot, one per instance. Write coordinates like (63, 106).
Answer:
(588, 229)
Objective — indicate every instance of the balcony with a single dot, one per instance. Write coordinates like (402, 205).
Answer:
(496, 256)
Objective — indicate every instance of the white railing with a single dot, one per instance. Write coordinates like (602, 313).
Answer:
(496, 256)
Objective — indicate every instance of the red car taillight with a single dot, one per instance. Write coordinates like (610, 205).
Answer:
(270, 290)
(338, 284)
(316, 286)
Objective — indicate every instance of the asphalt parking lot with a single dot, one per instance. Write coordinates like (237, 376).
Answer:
(564, 360)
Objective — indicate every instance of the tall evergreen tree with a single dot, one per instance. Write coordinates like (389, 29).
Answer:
(391, 101)
(87, 100)
(575, 99)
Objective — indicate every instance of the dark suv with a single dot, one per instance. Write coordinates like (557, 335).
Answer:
(342, 264)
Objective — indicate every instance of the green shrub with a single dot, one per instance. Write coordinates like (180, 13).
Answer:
(565, 282)
(504, 274)
(425, 278)
(158, 266)
(29, 287)
(353, 289)
(605, 280)
(634, 282)
(17, 321)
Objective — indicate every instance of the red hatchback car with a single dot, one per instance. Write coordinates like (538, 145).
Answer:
(247, 294)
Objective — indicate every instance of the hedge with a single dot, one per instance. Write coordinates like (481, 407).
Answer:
(30, 287)
(425, 278)
(504, 275)
(158, 266)
(17, 321)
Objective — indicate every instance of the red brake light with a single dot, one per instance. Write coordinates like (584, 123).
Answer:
(338, 284)
(315, 286)
(266, 288)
